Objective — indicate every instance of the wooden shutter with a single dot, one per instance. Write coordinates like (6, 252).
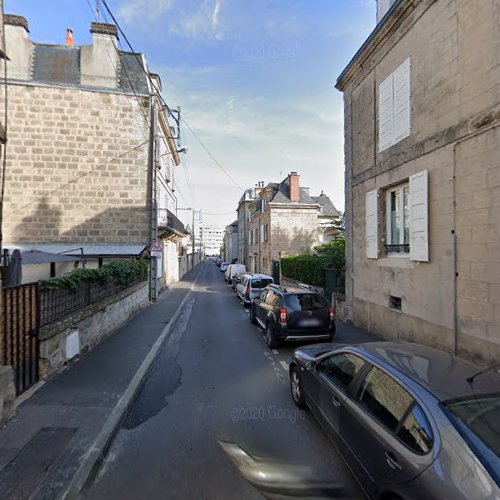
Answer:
(419, 215)
(401, 103)
(385, 113)
(372, 224)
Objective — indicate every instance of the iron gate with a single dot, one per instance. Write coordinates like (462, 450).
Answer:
(276, 271)
(330, 282)
(21, 320)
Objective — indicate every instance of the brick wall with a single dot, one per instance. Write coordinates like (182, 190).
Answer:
(76, 168)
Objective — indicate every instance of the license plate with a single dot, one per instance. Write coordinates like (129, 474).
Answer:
(309, 322)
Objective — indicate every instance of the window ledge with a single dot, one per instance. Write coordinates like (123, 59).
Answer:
(400, 261)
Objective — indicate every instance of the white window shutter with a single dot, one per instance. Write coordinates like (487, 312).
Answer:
(385, 113)
(401, 90)
(372, 224)
(419, 216)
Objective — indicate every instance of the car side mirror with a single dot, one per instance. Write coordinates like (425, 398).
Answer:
(310, 365)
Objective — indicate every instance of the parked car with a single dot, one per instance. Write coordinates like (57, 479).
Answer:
(218, 262)
(223, 267)
(232, 269)
(251, 286)
(411, 421)
(292, 313)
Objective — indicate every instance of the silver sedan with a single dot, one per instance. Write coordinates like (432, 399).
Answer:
(411, 421)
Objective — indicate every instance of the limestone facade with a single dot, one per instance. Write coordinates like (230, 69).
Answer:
(440, 284)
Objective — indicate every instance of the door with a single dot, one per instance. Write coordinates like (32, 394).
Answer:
(368, 426)
(259, 307)
(334, 376)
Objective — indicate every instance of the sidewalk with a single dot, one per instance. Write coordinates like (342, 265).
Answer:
(43, 446)
(349, 334)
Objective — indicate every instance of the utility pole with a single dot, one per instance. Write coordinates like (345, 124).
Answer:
(193, 242)
(153, 273)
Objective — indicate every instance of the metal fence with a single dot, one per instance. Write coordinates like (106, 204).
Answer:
(19, 333)
(56, 303)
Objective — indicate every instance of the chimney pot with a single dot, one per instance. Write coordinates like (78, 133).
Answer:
(70, 42)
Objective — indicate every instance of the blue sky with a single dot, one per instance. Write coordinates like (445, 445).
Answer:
(254, 79)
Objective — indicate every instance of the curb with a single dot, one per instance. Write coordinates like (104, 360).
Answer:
(96, 453)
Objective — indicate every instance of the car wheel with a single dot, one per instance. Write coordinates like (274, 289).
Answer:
(252, 316)
(296, 388)
(271, 339)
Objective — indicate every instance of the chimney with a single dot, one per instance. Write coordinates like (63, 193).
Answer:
(19, 47)
(258, 188)
(70, 42)
(293, 180)
(322, 193)
(99, 61)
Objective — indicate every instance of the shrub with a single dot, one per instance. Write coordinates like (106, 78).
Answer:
(309, 269)
(121, 272)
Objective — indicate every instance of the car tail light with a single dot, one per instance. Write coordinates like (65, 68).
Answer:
(332, 315)
(283, 314)
(247, 291)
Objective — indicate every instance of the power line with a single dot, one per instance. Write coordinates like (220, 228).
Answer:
(211, 155)
(104, 2)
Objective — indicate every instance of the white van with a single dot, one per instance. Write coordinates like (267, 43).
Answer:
(232, 269)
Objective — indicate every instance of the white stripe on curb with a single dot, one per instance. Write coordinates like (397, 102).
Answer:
(284, 364)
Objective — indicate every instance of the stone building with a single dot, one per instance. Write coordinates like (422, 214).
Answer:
(79, 178)
(231, 242)
(422, 115)
(285, 221)
(244, 210)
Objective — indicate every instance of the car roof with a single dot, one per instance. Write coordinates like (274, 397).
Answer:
(440, 373)
(293, 289)
(260, 275)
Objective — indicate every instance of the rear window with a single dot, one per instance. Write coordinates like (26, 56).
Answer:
(261, 282)
(478, 420)
(305, 302)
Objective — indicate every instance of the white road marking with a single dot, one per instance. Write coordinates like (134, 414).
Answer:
(275, 351)
(284, 364)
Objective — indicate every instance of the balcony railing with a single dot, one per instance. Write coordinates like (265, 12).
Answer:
(397, 249)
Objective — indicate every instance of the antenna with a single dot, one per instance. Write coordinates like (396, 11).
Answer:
(97, 8)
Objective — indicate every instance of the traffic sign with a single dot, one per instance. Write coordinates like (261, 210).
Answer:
(155, 247)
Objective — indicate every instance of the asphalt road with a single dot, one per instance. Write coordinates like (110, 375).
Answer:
(215, 380)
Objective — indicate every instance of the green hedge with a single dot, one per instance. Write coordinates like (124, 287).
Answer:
(308, 269)
(120, 271)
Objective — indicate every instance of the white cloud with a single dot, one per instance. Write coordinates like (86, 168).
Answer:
(145, 9)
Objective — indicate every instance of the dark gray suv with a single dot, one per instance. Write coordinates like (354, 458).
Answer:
(292, 313)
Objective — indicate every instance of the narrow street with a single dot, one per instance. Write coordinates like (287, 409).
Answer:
(215, 380)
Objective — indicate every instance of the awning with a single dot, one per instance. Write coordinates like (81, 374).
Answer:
(38, 257)
(77, 249)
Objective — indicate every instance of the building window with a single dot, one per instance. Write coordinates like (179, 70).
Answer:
(394, 107)
(398, 219)
(406, 215)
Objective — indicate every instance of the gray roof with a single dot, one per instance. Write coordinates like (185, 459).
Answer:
(56, 64)
(283, 193)
(38, 257)
(89, 249)
(327, 207)
(59, 64)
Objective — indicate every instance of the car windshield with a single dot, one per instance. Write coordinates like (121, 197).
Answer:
(305, 302)
(478, 420)
(261, 282)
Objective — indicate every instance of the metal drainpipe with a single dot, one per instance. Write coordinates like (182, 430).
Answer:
(454, 234)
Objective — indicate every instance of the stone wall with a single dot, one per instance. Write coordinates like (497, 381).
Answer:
(77, 166)
(455, 114)
(93, 323)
